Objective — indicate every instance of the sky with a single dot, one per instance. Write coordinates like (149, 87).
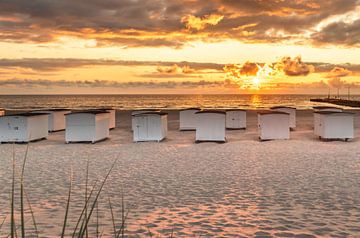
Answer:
(171, 46)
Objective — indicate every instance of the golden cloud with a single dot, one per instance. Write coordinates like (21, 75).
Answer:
(293, 67)
(200, 23)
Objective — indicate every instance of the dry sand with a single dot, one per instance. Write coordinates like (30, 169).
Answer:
(302, 187)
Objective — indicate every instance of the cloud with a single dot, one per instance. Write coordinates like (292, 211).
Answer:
(294, 67)
(199, 23)
(339, 33)
(335, 76)
(158, 23)
(338, 72)
(286, 65)
(53, 64)
(175, 69)
(29, 83)
(248, 69)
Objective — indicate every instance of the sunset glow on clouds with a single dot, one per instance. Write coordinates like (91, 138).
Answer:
(190, 46)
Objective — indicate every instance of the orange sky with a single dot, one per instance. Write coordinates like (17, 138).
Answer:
(192, 46)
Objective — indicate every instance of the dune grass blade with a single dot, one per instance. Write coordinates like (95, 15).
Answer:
(22, 193)
(2, 223)
(150, 234)
(122, 213)
(122, 228)
(83, 211)
(86, 191)
(112, 217)
(81, 233)
(172, 233)
(67, 206)
(12, 222)
(97, 220)
(32, 215)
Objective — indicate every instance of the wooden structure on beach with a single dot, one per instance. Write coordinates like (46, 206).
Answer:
(150, 126)
(274, 125)
(112, 116)
(334, 125)
(188, 119)
(24, 127)
(2, 112)
(235, 119)
(56, 119)
(291, 111)
(140, 111)
(210, 126)
(87, 126)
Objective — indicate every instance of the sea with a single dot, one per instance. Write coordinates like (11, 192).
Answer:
(168, 101)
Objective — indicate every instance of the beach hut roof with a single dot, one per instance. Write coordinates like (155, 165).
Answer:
(28, 114)
(325, 107)
(88, 112)
(150, 113)
(146, 109)
(103, 108)
(52, 110)
(271, 112)
(235, 109)
(211, 111)
(190, 108)
(278, 107)
(338, 113)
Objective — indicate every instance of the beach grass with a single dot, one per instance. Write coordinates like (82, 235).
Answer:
(90, 208)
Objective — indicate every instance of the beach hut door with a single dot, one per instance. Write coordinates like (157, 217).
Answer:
(141, 127)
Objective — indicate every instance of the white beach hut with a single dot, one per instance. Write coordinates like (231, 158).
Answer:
(210, 126)
(334, 125)
(56, 118)
(323, 109)
(87, 126)
(2, 112)
(235, 119)
(140, 111)
(24, 127)
(274, 125)
(291, 111)
(112, 116)
(150, 126)
(188, 119)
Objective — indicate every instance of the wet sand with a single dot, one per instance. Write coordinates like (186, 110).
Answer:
(301, 187)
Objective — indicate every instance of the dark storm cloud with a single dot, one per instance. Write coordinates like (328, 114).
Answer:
(172, 23)
(339, 33)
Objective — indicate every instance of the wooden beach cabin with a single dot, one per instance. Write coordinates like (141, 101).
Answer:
(188, 119)
(23, 127)
(334, 125)
(235, 119)
(291, 111)
(87, 126)
(112, 116)
(56, 119)
(210, 126)
(323, 109)
(140, 111)
(274, 125)
(150, 126)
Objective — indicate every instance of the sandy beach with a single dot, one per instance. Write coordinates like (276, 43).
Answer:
(301, 187)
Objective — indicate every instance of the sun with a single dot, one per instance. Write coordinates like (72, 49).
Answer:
(263, 72)
(256, 82)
